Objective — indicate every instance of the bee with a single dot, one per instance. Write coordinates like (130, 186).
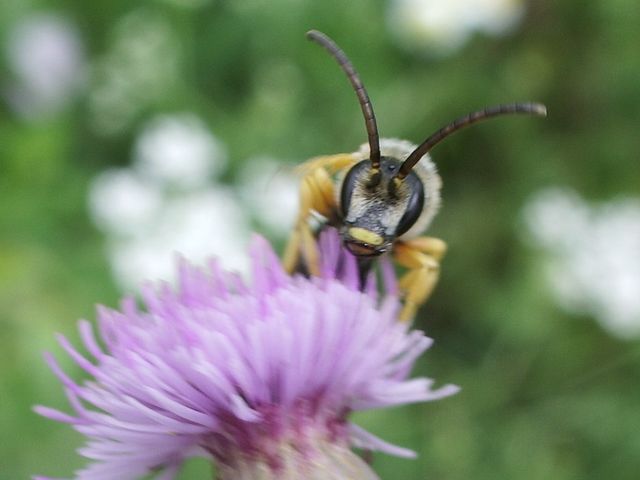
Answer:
(381, 198)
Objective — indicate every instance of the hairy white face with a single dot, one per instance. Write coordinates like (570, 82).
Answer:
(375, 214)
(377, 206)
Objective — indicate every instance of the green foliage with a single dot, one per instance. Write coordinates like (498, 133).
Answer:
(544, 394)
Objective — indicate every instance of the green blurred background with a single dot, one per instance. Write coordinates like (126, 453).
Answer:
(549, 390)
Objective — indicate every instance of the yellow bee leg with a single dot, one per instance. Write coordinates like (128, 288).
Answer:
(430, 245)
(319, 203)
(325, 190)
(330, 163)
(310, 252)
(302, 245)
(316, 194)
(421, 256)
(292, 251)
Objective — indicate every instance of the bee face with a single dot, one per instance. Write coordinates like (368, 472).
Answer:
(383, 196)
(377, 207)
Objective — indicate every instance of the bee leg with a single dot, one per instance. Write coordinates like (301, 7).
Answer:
(316, 194)
(292, 251)
(331, 163)
(422, 257)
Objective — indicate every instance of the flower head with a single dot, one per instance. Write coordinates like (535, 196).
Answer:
(260, 377)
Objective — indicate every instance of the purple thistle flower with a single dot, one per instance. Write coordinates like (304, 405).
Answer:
(261, 378)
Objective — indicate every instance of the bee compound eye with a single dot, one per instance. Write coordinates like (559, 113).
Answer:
(349, 184)
(414, 206)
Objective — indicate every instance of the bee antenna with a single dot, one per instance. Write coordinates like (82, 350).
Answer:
(458, 124)
(365, 104)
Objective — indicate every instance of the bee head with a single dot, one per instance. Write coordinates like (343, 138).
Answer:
(377, 206)
(382, 197)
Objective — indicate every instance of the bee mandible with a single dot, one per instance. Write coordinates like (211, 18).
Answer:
(381, 198)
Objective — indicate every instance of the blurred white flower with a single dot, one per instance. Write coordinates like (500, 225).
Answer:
(45, 53)
(270, 190)
(178, 150)
(121, 202)
(147, 220)
(199, 226)
(593, 255)
(442, 27)
(553, 212)
(141, 67)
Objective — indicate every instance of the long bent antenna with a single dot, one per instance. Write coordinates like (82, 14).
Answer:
(365, 104)
(490, 112)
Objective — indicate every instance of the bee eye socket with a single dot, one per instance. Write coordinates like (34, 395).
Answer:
(349, 183)
(415, 205)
